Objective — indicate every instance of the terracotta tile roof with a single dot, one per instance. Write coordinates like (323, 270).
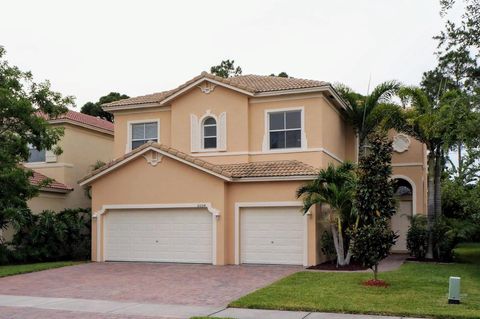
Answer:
(84, 119)
(250, 83)
(230, 171)
(269, 169)
(37, 178)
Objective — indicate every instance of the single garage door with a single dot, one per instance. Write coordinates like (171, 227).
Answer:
(161, 235)
(272, 235)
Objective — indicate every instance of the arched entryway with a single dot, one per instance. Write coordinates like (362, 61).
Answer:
(405, 196)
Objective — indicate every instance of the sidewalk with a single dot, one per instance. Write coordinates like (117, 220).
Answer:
(164, 311)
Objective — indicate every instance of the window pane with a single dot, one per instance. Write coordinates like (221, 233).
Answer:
(293, 139)
(277, 121)
(138, 131)
(136, 144)
(151, 131)
(210, 142)
(210, 130)
(293, 119)
(36, 155)
(209, 121)
(277, 140)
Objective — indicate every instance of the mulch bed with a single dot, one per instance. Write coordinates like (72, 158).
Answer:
(333, 267)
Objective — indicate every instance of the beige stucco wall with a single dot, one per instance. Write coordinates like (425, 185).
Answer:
(81, 147)
(122, 119)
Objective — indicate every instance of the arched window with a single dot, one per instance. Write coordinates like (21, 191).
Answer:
(209, 130)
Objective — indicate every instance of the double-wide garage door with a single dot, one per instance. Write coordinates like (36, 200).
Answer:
(159, 235)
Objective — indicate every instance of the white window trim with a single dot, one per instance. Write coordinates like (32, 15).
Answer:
(266, 137)
(298, 204)
(202, 132)
(128, 147)
(196, 136)
(100, 222)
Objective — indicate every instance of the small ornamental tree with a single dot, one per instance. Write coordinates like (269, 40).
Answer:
(372, 243)
(375, 203)
(374, 196)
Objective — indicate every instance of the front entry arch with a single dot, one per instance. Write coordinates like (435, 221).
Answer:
(406, 199)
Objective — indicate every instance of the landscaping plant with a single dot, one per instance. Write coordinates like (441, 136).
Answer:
(51, 236)
(371, 243)
(375, 204)
(417, 237)
(335, 187)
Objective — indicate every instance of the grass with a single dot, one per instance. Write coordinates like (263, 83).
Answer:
(468, 253)
(11, 270)
(416, 289)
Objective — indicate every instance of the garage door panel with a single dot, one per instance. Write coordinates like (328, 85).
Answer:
(163, 235)
(272, 235)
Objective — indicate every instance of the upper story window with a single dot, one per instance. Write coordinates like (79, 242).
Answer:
(209, 133)
(285, 129)
(141, 133)
(36, 155)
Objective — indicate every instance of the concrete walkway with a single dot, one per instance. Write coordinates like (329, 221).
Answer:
(163, 310)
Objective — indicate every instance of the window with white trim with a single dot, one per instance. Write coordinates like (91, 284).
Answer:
(285, 129)
(141, 133)
(36, 155)
(209, 131)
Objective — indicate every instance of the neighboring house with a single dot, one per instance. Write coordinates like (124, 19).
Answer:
(85, 141)
(207, 172)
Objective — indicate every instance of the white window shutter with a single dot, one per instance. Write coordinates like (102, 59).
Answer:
(194, 133)
(222, 132)
(50, 156)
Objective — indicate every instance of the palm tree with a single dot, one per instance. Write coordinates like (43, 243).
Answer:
(439, 125)
(334, 186)
(368, 113)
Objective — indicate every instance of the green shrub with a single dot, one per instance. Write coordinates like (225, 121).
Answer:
(417, 237)
(372, 243)
(328, 246)
(51, 236)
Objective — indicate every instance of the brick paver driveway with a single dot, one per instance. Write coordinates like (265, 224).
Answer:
(202, 285)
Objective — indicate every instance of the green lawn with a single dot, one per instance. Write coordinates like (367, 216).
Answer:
(11, 270)
(468, 253)
(416, 289)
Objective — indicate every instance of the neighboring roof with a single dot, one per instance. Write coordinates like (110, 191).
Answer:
(229, 172)
(253, 84)
(54, 186)
(84, 120)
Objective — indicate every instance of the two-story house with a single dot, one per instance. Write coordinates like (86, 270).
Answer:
(85, 141)
(207, 172)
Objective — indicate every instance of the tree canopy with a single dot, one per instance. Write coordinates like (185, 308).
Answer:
(226, 69)
(25, 107)
(95, 108)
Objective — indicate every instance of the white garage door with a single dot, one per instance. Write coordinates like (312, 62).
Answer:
(162, 235)
(272, 235)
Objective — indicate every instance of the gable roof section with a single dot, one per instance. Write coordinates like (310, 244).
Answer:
(288, 170)
(54, 186)
(85, 120)
(252, 85)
